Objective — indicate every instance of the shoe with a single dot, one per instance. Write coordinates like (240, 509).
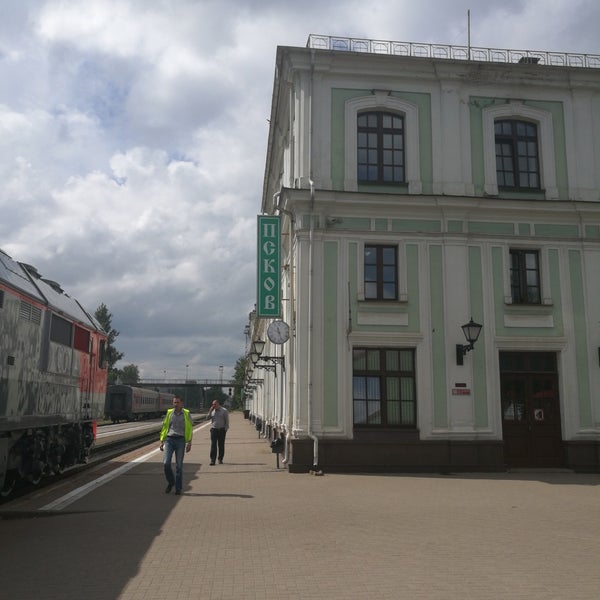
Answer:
(168, 488)
(212, 464)
(220, 462)
(178, 492)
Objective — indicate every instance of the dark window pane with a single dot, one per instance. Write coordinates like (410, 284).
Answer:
(370, 272)
(380, 273)
(525, 277)
(370, 291)
(60, 330)
(517, 154)
(384, 393)
(389, 291)
(380, 133)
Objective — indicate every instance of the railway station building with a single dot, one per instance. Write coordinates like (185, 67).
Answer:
(417, 189)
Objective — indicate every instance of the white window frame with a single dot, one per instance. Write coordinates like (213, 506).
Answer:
(383, 101)
(543, 119)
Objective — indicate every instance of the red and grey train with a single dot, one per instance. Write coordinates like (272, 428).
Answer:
(129, 403)
(52, 376)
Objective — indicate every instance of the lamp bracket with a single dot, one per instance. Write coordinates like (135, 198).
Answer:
(271, 363)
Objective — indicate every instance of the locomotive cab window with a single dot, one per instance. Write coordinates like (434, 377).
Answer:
(81, 341)
(102, 355)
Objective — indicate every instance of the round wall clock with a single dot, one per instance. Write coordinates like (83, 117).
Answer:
(278, 332)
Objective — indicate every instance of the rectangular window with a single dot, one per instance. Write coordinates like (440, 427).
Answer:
(380, 148)
(81, 340)
(1, 298)
(517, 157)
(525, 277)
(381, 273)
(61, 331)
(102, 358)
(384, 391)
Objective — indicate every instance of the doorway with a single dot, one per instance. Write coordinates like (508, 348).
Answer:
(530, 409)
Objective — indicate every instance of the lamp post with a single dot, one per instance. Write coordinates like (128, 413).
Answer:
(186, 381)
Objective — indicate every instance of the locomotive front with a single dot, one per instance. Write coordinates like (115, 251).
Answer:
(52, 376)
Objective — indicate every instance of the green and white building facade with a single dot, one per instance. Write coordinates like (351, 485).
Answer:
(418, 187)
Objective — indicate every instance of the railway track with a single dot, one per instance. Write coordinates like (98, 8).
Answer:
(111, 441)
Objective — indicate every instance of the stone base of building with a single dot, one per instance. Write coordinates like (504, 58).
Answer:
(414, 456)
(443, 456)
(583, 456)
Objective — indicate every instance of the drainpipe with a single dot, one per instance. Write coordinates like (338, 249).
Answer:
(288, 425)
(315, 469)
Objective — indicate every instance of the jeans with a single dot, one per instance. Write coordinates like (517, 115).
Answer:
(177, 445)
(217, 440)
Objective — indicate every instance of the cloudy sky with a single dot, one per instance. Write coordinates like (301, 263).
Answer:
(133, 140)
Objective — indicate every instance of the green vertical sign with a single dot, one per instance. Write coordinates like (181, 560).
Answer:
(269, 272)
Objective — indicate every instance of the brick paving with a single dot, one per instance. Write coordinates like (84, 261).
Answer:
(248, 530)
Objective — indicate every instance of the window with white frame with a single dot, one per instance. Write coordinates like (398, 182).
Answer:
(397, 154)
(498, 161)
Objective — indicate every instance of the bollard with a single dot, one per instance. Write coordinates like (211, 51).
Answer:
(277, 447)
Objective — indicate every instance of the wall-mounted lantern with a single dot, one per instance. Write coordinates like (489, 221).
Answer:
(269, 363)
(471, 331)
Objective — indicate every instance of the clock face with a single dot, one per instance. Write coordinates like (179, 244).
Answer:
(278, 332)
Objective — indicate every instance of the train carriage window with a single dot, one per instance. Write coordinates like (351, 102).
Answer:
(61, 331)
(81, 341)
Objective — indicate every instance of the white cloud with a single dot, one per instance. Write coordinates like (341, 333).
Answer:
(133, 139)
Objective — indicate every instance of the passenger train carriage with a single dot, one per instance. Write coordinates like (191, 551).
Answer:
(52, 376)
(128, 403)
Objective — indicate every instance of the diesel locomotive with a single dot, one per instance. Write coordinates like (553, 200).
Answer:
(52, 376)
(129, 403)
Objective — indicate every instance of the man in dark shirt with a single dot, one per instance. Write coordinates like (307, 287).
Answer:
(220, 424)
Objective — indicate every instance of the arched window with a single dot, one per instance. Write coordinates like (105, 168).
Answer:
(380, 148)
(496, 163)
(401, 120)
(517, 154)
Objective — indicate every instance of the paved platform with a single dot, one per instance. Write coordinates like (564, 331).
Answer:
(247, 530)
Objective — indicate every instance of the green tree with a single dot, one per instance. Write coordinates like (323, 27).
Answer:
(238, 376)
(129, 374)
(112, 354)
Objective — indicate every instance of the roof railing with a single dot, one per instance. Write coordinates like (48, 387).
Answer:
(443, 51)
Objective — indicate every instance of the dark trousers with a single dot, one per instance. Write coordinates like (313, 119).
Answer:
(217, 441)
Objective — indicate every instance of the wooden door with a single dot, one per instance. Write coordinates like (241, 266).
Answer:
(530, 410)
